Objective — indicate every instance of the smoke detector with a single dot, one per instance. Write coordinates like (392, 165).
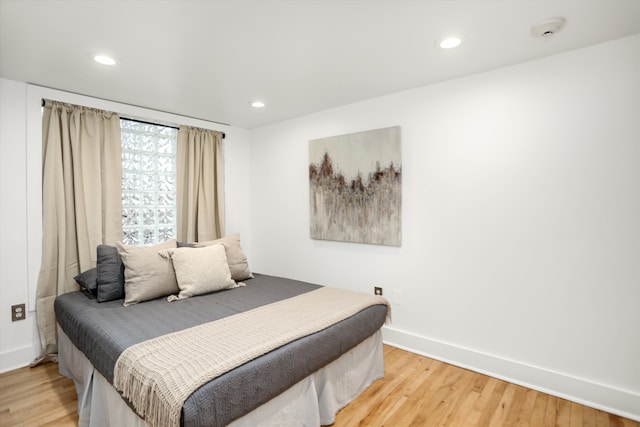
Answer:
(548, 27)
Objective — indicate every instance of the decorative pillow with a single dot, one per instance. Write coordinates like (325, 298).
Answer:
(236, 258)
(147, 275)
(88, 280)
(200, 271)
(110, 274)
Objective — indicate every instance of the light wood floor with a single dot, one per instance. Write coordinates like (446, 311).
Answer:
(37, 397)
(416, 391)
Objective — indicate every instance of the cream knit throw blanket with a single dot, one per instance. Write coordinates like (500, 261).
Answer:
(158, 375)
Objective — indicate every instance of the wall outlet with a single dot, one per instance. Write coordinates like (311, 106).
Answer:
(18, 312)
(377, 290)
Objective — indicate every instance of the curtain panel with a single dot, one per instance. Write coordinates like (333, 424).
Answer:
(199, 185)
(81, 202)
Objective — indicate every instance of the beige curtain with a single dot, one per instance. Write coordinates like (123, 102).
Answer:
(81, 202)
(199, 185)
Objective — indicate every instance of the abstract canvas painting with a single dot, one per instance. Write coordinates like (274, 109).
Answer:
(355, 187)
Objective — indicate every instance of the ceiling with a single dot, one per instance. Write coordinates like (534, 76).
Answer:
(210, 59)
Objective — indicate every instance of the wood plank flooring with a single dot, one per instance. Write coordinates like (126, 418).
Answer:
(37, 397)
(419, 391)
(416, 391)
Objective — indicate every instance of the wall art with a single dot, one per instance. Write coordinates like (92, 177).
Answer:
(355, 187)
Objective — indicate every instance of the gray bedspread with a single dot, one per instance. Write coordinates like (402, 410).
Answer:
(103, 330)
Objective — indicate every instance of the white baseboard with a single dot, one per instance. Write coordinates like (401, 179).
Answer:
(16, 358)
(616, 401)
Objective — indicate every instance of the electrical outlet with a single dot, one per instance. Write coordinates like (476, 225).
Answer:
(18, 312)
(377, 290)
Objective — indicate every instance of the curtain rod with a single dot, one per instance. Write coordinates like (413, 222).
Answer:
(222, 134)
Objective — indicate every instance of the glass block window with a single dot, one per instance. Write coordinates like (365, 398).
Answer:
(148, 182)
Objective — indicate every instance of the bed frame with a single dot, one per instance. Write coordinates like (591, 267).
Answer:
(304, 382)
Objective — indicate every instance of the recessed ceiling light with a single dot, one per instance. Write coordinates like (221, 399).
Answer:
(449, 42)
(257, 104)
(104, 59)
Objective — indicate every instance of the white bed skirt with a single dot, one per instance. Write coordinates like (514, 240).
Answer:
(314, 401)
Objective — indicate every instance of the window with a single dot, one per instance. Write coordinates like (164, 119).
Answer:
(148, 182)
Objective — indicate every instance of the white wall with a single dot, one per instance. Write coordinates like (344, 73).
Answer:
(20, 200)
(17, 339)
(521, 221)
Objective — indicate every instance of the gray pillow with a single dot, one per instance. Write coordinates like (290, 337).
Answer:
(110, 274)
(88, 280)
(186, 245)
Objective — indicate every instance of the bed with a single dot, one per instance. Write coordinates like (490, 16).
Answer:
(303, 382)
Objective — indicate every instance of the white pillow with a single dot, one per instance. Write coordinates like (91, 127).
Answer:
(200, 271)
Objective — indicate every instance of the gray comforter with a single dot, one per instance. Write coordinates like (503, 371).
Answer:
(103, 330)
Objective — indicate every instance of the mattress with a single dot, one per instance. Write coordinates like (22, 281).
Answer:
(101, 331)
